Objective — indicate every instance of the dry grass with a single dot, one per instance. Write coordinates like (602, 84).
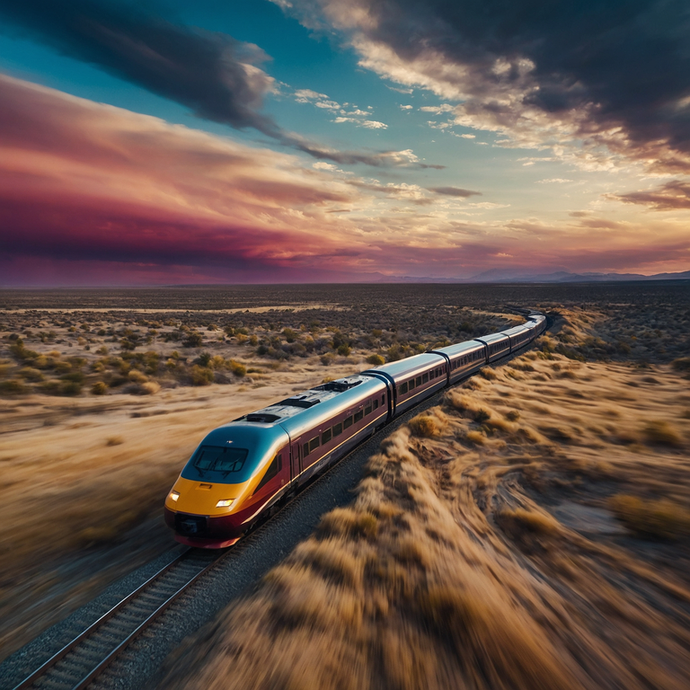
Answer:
(661, 519)
(480, 553)
(662, 433)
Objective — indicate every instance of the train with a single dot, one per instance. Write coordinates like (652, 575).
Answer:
(243, 470)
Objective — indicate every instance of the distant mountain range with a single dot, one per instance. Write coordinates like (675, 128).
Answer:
(501, 276)
(498, 275)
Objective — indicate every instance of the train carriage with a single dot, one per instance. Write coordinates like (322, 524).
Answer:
(519, 336)
(463, 358)
(412, 379)
(497, 346)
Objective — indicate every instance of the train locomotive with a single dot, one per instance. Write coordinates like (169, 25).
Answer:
(243, 470)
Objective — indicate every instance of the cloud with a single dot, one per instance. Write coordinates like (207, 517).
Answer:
(405, 107)
(454, 191)
(554, 180)
(670, 196)
(86, 181)
(90, 193)
(368, 124)
(212, 74)
(603, 84)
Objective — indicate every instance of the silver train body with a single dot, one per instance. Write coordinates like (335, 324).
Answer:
(279, 448)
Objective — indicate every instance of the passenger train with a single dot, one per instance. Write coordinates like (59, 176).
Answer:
(242, 470)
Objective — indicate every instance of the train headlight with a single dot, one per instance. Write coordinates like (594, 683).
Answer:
(174, 495)
(225, 503)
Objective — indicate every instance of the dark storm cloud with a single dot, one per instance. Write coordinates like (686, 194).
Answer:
(588, 66)
(212, 74)
(206, 72)
(668, 197)
(454, 191)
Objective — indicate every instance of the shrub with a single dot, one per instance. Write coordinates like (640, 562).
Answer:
(657, 519)
(12, 386)
(375, 360)
(99, 388)
(348, 522)
(423, 426)
(236, 368)
(30, 374)
(204, 359)
(662, 433)
(513, 415)
(193, 340)
(488, 373)
(519, 521)
(137, 377)
(344, 350)
(476, 437)
(70, 388)
(481, 416)
(51, 387)
(201, 376)
(114, 441)
(150, 388)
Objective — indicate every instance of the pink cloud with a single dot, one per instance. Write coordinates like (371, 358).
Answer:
(93, 194)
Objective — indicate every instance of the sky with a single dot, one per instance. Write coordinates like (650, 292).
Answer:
(257, 141)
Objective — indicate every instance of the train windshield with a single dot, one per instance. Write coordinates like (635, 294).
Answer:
(218, 464)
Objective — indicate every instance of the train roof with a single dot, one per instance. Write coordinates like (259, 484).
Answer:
(460, 348)
(410, 365)
(260, 441)
(516, 330)
(492, 338)
(304, 410)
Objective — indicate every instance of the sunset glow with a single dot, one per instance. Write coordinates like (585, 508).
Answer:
(318, 141)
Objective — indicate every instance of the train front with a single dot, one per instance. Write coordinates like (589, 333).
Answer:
(210, 505)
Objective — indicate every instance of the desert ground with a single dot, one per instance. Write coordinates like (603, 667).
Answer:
(531, 531)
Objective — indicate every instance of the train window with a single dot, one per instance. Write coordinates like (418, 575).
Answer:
(347, 423)
(313, 444)
(425, 378)
(358, 416)
(271, 472)
(337, 429)
(383, 399)
(367, 410)
(326, 436)
(305, 450)
(418, 381)
(403, 388)
(215, 463)
(410, 385)
(376, 404)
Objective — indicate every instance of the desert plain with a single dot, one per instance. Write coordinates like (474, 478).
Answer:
(531, 530)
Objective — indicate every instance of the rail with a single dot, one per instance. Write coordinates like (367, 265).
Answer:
(83, 659)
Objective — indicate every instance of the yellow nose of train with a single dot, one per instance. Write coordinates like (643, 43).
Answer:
(220, 491)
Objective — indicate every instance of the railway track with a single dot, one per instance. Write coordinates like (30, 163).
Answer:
(88, 655)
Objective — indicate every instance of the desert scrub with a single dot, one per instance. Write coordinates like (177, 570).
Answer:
(99, 388)
(488, 373)
(348, 522)
(375, 360)
(424, 426)
(520, 521)
(662, 433)
(201, 376)
(661, 519)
